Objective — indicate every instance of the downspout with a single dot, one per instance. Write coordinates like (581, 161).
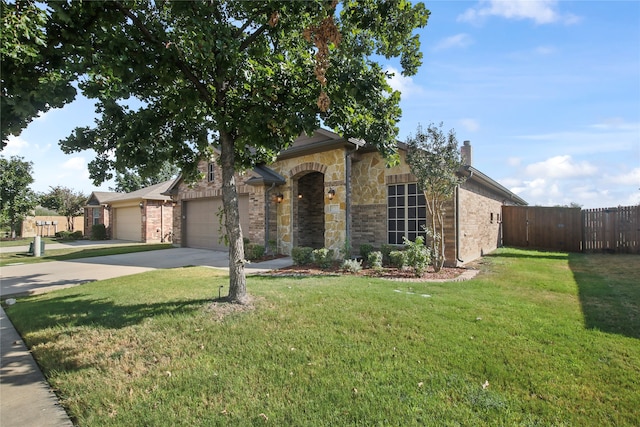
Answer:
(347, 187)
(267, 217)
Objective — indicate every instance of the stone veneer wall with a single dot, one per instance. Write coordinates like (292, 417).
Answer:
(331, 164)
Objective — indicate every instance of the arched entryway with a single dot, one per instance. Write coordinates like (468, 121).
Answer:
(308, 212)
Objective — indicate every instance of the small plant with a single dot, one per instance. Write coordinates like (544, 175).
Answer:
(323, 257)
(351, 265)
(98, 232)
(302, 255)
(346, 250)
(418, 256)
(398, 259)
(273, 246)
(375, 260)
(365, 250)
(253, 251)
(386, 249)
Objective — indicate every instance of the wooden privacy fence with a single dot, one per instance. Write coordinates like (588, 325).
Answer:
(614, 230)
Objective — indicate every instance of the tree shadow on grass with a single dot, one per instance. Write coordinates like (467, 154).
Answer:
(609, 292)
(76, 310)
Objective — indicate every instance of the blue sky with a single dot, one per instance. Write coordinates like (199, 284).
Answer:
(548, 93)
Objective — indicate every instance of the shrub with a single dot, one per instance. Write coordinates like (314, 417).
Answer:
(301, 255)
(398, 259)
(346, 250)
(365, 250)
(253, 251)
(375, 260)
(69, 235)
(386, 250)
(352, 265)
(323, 257)
(98, 232)
(418, 256)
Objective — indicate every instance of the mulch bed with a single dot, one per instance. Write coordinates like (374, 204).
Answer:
(446, 273)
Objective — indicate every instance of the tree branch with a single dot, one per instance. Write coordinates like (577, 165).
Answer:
(191, 76)
(252, 37)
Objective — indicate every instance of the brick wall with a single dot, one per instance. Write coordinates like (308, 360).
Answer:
(158, 222)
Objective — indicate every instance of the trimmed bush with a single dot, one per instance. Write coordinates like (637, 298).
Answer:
(351, 265)
(69, 235)
(386, 250)
(365, 250)
(253, 251)
(323, 257)
(398, 259)
(302, 255)
(418, 256)
(375, 260)
(98, 232)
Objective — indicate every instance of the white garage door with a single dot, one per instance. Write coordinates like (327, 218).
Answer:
(202, 225)
(128, 224)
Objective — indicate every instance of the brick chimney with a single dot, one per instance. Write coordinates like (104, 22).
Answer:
(466, 152)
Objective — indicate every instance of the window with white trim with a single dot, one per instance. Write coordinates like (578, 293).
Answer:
(406, 213)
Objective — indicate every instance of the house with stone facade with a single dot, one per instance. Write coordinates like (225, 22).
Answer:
(145, 215)
(325, 191)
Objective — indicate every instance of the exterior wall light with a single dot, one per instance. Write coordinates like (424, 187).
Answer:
(141, 204)
(299, 195)
(279, 197)
(331, 193)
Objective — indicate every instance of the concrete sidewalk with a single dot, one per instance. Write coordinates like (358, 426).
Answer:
(25, 397)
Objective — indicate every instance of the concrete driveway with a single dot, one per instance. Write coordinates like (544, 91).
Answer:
(25, 279)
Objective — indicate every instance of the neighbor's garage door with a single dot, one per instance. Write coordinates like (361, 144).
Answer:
(202, 226)
(128, 224)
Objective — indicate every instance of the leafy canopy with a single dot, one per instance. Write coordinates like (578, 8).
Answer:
(66, 202)
(16, 198)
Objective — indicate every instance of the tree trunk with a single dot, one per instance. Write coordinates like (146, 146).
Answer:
(237, 278)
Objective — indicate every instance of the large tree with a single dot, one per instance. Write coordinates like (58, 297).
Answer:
(66, 202)
(131, 180)
(35, 77)
(244, 76)
(16, 198)
(436, 162)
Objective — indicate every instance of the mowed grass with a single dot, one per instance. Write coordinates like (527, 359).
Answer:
(510, 347)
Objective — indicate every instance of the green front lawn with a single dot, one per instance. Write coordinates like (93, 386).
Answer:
(536, 339)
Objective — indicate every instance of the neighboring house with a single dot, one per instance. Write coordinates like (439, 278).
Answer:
(145, 215)
(325, 191)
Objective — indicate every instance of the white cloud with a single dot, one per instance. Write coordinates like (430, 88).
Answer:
(402, 84)
(540, 11)
(461, 40)
(15, 146)
(74, 164)
(560, 167)
(470, 125)
(627, 178)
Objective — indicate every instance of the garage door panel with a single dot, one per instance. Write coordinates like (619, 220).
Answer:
(202, 224)
(128, 224)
